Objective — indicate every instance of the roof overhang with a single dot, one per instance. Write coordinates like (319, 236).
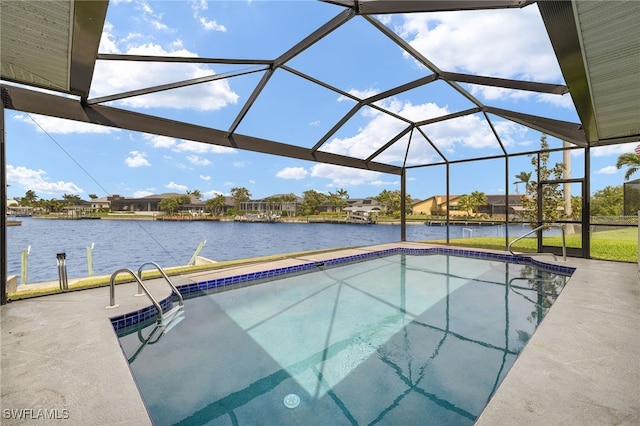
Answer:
(597, 44)
(51, 44)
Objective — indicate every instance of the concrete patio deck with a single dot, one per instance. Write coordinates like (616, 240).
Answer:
(61, 360)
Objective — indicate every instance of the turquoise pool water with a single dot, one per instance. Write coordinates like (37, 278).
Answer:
(396, 339)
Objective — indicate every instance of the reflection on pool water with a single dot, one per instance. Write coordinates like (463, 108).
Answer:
(397, 339)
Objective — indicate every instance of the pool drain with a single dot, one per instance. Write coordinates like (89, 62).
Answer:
(292, 400)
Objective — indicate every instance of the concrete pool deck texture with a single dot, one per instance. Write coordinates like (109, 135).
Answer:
(61, 361)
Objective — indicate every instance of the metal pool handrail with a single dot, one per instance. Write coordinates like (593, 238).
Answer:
(166, 278)
(112, 291)
(564, 245)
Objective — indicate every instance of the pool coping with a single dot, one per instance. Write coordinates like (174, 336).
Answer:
(60, 352)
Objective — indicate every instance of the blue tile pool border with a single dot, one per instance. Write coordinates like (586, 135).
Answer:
(186, 290)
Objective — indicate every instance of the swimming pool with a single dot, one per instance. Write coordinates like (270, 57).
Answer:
(404, 336)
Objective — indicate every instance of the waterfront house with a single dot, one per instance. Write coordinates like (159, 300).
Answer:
(496, 206)
(196, 207)
(437, 205)
(149, 203)
(272, 205)
(352, 205)
(365, 209)
(15, 209)
(80, 208)
(100, 204)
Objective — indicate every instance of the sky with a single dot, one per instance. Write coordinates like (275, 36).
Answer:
(54, 157)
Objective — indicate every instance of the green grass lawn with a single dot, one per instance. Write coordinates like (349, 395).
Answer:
(619, 244)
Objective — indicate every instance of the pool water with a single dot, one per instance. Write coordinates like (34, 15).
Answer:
(399, 339)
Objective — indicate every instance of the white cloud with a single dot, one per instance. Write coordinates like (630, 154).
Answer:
(501, 43)
(176, 44)
(142, 193)
(145, 7)
(179, 145)
(607, 150)
(36, 181)
(384, 182)
(158, 141)
(154, 19)
(360, 94)
(109, 77)
(194, 159)
(199, 5)
(208, 24)
(177, 187)
(296, 173)
(205, 178)
(211, 194)
(241, 164)
(344, 176)
(158, 25)
(202, 148)
(137, 159)
(55, 125)
(381, 128)
(609, 170)
(511, 133)
(563, 101)
(498, 43)
(469, 131)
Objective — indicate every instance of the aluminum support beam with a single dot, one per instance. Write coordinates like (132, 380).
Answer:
(182, 59)
(563, 130)
(176, 85)
(531, 86)
(375, 7)
(88, 21)
(25, 100)
(3, 212)
(403, 205)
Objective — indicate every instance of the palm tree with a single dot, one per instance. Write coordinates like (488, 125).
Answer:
(630, 160)
(478, 199)
(196, 193)
(216, 204)
(239, 195)
(470, 203)
(465, 204)
(342, 193)
(523, 177)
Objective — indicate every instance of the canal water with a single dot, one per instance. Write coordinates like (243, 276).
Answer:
(128, 244)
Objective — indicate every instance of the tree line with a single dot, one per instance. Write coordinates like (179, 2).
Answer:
(312, 201)
(30, 199)
(605, 202)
